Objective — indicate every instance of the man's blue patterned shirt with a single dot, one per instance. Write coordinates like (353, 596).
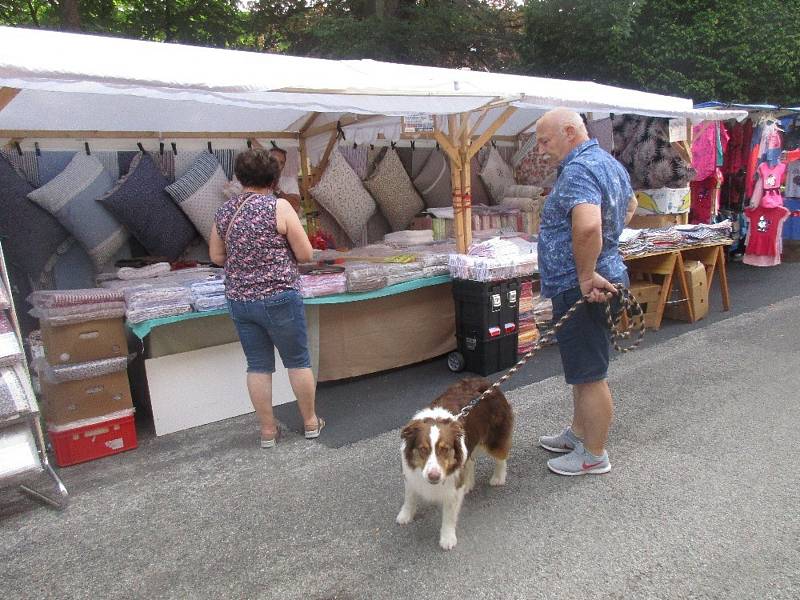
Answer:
(588, 174)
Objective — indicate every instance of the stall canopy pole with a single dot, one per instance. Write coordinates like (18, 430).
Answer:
(490, 131)
(456, 167)
(159, 135)
(466, 182)
(310, 209)
(7, 94)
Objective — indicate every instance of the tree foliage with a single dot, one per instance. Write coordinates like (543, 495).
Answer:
(734, 50)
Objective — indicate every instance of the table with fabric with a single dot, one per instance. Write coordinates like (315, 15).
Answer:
(669, 265)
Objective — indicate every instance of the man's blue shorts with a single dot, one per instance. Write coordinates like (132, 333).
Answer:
(275, 322)
(584, 339)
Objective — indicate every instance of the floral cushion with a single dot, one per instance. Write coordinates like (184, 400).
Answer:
(496, 175)
(70, 197)
(342, 194)
(200, 192)
(139, 201)
(433, 181)
(30, 234)
(393, 191)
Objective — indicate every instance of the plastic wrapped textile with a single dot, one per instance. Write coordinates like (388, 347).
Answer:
(409, 237)
(481, 268)
(14, 398)
(543, 310)
(61, 298)
(146, 272)
(139, 315)
(147, 296)
(86, 370)
(10, 351)
(4, 302)
(211, 287)
(82, 313)
(313, 286)
(435, 271)
(206, 303)
(365, 277)
(399, 273)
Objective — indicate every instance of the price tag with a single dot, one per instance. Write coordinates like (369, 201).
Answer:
(418, 123)
(677, 130)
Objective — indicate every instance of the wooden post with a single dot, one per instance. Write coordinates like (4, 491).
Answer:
(466, 177)
(309, 206)
(7, 94)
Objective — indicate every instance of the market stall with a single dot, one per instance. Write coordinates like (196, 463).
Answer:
(100, 98)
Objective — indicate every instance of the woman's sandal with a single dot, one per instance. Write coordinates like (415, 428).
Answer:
(314, 433)
(272, 442)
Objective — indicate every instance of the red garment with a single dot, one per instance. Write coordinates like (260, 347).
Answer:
(703, 199)
(764, 237)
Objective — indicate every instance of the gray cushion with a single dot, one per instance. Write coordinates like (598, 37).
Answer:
(30, 234)
(139, 201)
(393, 191)
(497, 175)
(342, 194)
(200, 192)
(433, 182)
(70, 198)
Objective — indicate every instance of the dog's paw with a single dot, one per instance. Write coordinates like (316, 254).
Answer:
(404, 517)
(498, 480)
(448, 540)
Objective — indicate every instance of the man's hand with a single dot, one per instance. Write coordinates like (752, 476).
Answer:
(597, 288)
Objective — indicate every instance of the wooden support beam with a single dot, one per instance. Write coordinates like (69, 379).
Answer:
(310, 208)
(446, 145)
(308, 123)
(7, 94)
(490, 131)
(159, 135)
(323, 163)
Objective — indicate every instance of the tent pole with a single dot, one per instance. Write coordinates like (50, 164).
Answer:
(456, 168)
(309, 206)
(7, 94)
(466, 180)
(490, 131)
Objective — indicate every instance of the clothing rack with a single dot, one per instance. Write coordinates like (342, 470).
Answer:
(23, 453)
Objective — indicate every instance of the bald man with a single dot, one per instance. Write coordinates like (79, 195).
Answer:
(582, 219)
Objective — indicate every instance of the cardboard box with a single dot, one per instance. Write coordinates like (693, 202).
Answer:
(83, 342)
(663, 201)
(85, 398)
(695, 273)
(656, 221)
(647, 295)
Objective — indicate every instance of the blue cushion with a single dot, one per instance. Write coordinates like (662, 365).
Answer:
(140, 203)
(70, 198)
(30, 234)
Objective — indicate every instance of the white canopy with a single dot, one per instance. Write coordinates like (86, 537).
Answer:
(90, 83)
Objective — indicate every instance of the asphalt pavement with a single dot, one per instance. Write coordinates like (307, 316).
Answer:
(701, 501)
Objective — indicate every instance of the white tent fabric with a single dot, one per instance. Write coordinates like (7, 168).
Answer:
(83, 82)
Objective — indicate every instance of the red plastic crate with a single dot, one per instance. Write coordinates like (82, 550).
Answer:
(86, 443)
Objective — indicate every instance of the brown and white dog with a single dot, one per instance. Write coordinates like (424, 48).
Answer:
(438, 451)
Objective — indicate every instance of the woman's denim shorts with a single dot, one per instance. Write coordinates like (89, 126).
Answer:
(275, 322)
(584, 340)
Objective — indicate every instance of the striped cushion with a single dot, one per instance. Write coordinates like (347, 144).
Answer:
(433, 182)
(200, 192)
(70, 198)
(139, 201)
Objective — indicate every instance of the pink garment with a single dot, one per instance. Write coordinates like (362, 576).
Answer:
(704, 150)
(764, 237)
(767, 193)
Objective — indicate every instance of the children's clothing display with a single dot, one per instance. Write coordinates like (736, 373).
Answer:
(764, 243)
(767, 192)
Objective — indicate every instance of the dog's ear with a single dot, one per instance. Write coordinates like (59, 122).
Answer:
(409, 432)
(460, 445)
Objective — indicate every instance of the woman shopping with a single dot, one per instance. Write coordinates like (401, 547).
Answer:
(259, 240)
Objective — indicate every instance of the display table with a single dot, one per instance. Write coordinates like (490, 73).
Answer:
(194, 367)
(669, 264)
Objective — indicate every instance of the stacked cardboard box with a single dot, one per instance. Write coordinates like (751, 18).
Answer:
(86, 395)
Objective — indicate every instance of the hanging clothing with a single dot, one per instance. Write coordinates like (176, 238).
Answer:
(764, 236)
(704, 150)
(791, 229)
(704, 197)
(767, 192)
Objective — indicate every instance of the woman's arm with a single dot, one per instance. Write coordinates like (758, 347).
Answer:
(298, 240)
(216, 247)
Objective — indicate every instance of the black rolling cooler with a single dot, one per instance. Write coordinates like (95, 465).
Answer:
(487, 319)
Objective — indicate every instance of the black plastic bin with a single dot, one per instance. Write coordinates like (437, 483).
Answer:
(487, 319)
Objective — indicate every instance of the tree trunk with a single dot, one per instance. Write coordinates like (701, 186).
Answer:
(70, 15)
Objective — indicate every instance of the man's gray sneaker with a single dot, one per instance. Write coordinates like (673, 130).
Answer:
(580, 462)
(563, 442)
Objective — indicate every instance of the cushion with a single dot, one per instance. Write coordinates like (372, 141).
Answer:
(328, 224)
(70, 197)
(30, 234)
(523, 191)
(496, 174)
(342, 194)
(393, 191)
(480, 195)
(200, 192)
(377, 227)
(433, 182)
(139, 201)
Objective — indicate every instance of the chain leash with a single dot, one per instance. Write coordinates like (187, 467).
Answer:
(629, 307)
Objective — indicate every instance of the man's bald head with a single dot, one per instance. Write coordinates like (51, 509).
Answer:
(558, 132)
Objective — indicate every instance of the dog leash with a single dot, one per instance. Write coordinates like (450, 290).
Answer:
(629, 307)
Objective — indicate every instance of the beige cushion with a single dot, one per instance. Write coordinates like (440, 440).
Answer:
(342, 194)
(433, 182)
(497, 174)
(526, 204)
(377, 227)
(393, 191)
(523, 191)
